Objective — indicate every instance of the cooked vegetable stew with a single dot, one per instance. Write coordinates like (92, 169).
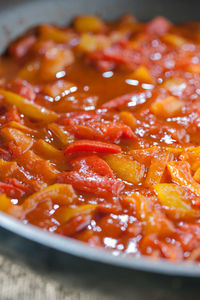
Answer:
(100, 134)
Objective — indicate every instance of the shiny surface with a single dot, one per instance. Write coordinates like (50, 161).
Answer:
(73, 98)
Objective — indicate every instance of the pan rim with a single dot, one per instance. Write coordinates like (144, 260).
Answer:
(82, 250)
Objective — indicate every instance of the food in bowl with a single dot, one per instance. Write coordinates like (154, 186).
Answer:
(100, 138)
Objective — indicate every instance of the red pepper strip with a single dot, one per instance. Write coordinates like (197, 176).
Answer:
(92, 163)
(107, 131)
(22, 46)
(93, 146)
(124, 99)
(99, 185)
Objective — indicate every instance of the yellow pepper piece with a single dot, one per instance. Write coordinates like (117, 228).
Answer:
(88, 23)
(126, 168)
(174, 40)
(30, 71)
(128, 119)
(62, 194)
(47, 149)
(21, 127)
(193, 68)
(192, 155)
(180, 172)
(174, 150)
(62, 135)
(197, 175)
(64, 214)
(5, 203)
(174, 200)
(49, 32)
(89, 42)
(167, 107)
(20, 139)
(157, 168)
(29, 108)
(142, 74)
(8, 207)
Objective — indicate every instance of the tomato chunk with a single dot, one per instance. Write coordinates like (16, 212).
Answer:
(96, 184)
(92, 163)
(106, 131)
(93, 146)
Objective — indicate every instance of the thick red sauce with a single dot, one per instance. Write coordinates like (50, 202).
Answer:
(99, 134)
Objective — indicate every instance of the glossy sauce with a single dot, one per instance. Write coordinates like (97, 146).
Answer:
(100, 139)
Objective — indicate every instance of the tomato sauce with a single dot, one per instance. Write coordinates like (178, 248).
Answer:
(100, 134)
